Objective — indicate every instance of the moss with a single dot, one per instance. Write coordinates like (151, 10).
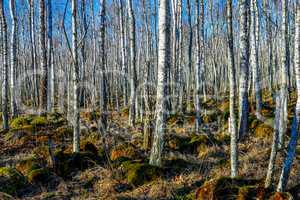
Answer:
(56, 119)
(252, 192)
(263, 131)
(175, 119)
(223, 188)
(223, 138)
(211, 117)
(27, 165)
(124, 150)
(140, 173)
(20, 121)
(66, 163)
(281, 196)
(39, 121)
(178, 143)
(11, 180)
(64, 132)
(40, 175)
(203, 139)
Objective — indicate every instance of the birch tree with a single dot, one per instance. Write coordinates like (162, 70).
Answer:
(75, 78)
(287, 164)
(50, 62)
(244, 67)
(4, 68)
(284, 72)
(13, 57)
(133, 75)
(43, 58)
(198, 70)
(163, 64)
(232, 95)
(254, 44)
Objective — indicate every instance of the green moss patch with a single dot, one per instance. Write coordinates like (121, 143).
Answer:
(11, 180)
(139, 173)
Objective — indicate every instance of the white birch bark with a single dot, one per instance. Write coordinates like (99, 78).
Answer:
(5, 85)
(163, 63)
(244, 68)
(13, 57)
(254, 48)
(232, 95)
(133, 72)
(51, 100)
(287, 164)
(75, 78)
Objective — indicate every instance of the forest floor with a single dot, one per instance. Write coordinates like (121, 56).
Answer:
(196, 166)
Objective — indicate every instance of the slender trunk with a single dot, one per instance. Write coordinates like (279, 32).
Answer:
(76, 121)
(233, 94)
(51, 100)
(254, 44)
(133, 73)
(198, 70)
(284, 73)
(163, 64)
(103, 81)
(13, 59)
(43, 59)
(4, 69)
(287, 165)
(244, 68)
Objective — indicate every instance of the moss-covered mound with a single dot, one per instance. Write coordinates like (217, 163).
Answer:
(281, 196)
(139, 173)
(27, 165)
(224, 188)
(264, 131)
(68, 163)
(11, 180)
(126, 150)
(177, 142)
(40, 175)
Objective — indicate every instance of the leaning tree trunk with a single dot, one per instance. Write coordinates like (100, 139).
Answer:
(76, 121)
(163, 64)
(133, 75)
(43, 59)
(4, 68)
(287, 165)
(13, 59)
(244, 68)
(233, 93)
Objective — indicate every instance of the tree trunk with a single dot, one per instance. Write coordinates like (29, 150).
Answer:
(51, 100)
(284, 73)
(163, 63)
(133, 77)
(76, 121)
(233, 94)
(43, 59)
(5, 68)
(13, 59)
(254, 44)
(244, 68)
(295, 125)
